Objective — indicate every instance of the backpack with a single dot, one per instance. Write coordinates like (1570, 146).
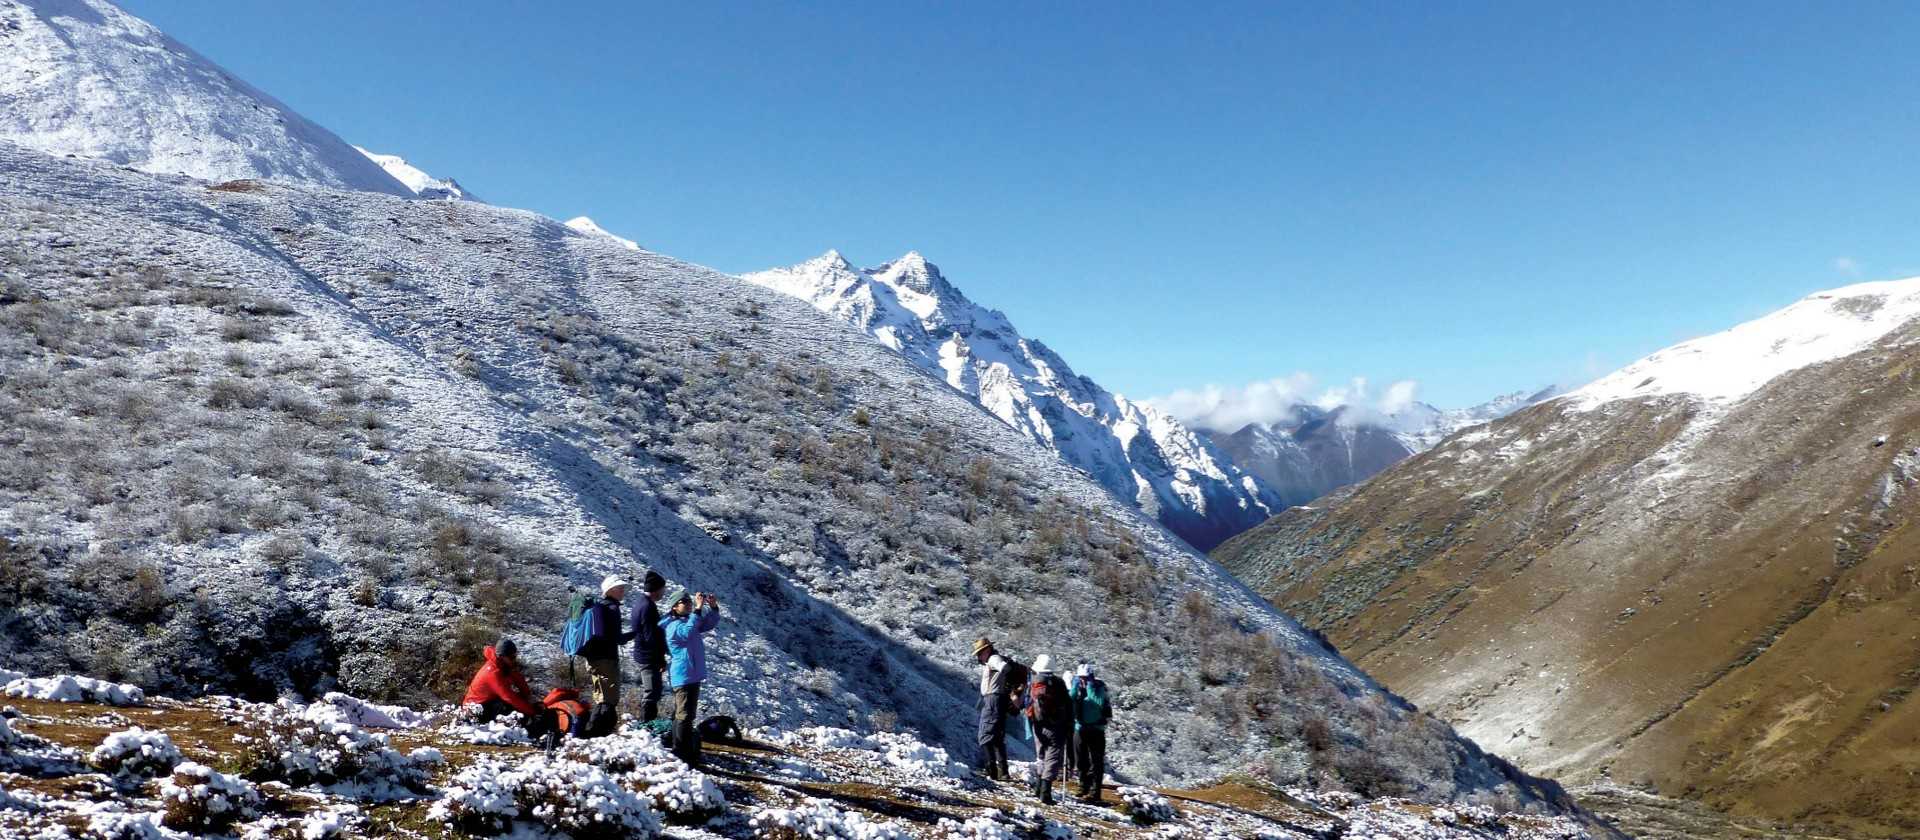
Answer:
(1093, 705)
(1047, 699)
(583, 624)
(1013, 677)
(720, 728)
(570, 714)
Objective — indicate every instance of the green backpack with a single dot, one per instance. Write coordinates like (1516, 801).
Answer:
(1093, 705)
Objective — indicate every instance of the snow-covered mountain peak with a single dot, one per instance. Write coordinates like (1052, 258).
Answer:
(1142, 456)
(84, 78)
(582, 224)
(417, 180)
(1723, 368)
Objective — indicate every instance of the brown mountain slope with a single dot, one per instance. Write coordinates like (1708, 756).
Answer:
(1723, 605)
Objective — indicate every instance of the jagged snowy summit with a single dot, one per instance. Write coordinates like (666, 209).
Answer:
(84, 78)
(1132, 449)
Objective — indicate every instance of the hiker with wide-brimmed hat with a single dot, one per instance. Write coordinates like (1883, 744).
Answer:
(1000, 682)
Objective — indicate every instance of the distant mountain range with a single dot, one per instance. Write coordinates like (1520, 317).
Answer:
(1136, 452)
(1318, 450)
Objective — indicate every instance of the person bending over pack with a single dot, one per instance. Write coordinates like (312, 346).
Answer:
(650, 646)
(500, 686)
(1092, 711)
(684, 626)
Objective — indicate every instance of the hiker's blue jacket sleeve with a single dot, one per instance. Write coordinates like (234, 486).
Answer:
(709, 619)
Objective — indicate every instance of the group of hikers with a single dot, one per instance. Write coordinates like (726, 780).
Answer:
(669, 649)
(1067, 717)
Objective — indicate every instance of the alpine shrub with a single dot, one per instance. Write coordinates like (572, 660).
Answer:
(198, 798)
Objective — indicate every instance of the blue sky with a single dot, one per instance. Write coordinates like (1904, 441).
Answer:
(1478, 197)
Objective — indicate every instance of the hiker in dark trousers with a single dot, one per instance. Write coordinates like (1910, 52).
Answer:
(1072, 750)
(650, 646)
(1052, 716)
(995, 704)
(688, 620)
(602, 653)
(500, 686)
(1092, 711)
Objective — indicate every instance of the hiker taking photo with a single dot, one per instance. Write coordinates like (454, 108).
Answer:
(688, 620)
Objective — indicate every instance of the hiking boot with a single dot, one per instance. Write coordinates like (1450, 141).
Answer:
(1046, 791)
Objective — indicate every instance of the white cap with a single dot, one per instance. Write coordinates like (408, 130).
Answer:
(1085, 670)
(611, 583)
(1043, 665)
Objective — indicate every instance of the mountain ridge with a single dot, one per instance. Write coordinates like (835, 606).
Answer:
(1135, 451)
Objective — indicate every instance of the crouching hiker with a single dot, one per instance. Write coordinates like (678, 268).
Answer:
(997, 692)
(1092, 711)
(500, 686)
(1049, 711)
(684, 626)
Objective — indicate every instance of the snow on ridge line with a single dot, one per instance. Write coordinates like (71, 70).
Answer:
(585, 225)
(417, 179)
(1725, 367)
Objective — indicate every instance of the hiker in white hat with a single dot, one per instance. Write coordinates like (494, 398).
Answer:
(602, 652)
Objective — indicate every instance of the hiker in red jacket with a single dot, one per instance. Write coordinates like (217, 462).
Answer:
(501, 687)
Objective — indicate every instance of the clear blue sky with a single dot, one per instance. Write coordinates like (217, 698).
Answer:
(1478, 197)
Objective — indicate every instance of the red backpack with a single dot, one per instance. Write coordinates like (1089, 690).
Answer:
(1047, 699)
(570, 714)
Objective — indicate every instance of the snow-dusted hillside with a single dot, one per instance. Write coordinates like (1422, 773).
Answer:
(1318, 450)
(1686, 576)
(278, 439)
(416, 179)
(83, 78)
(1136, 452)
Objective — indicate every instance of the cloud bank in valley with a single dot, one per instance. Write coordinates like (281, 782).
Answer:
(1273, 400)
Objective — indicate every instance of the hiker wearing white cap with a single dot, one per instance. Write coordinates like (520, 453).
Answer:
(1092, 711)
(602, 652)
(1052, 718)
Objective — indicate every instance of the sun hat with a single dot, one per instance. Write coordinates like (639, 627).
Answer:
(611, 583)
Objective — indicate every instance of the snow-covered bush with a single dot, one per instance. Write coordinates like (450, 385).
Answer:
(1146, 806)
(560, 794)
(900, 751)
(198, 798)
(639, 760)
(136, 753)
(304, 745)
(326, 825)
(119, 825)
(509, 729)
(427, 757)
(20, 751)
(818, 819)
(364, 714)
(71, 689)
(989, 825)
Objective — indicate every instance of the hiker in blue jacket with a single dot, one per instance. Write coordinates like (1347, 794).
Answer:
(650, 646)
(1092, 711)
(687, 621)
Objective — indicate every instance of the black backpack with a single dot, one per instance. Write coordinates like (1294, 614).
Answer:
(1013, 678)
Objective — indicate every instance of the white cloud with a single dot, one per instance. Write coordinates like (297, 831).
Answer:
(1847, 265)
(1273, 400)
